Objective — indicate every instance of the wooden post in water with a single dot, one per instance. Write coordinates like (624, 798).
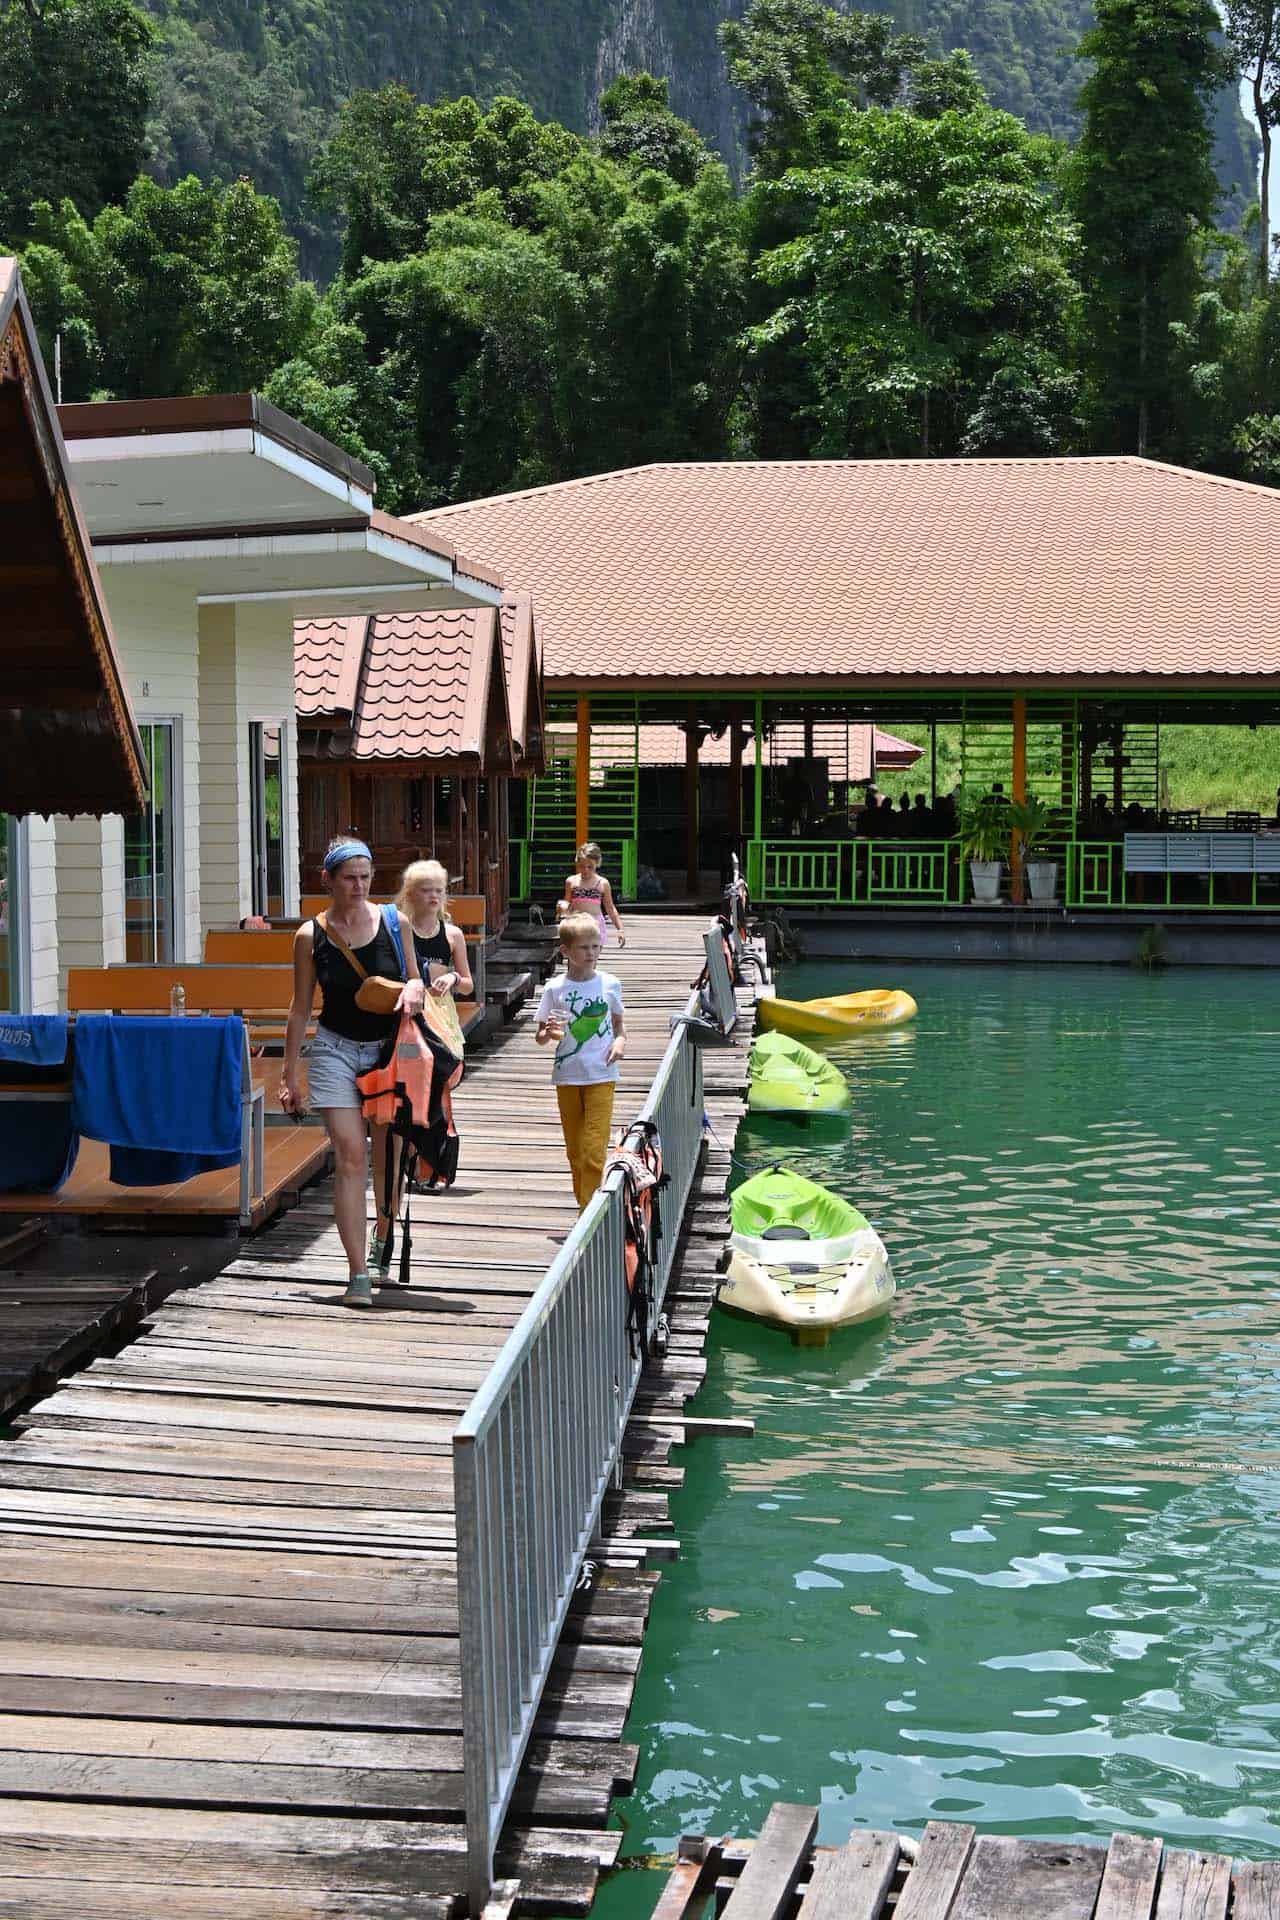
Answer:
(582, 777)
(1019, 790)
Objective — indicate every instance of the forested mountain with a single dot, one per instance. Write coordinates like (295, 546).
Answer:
(252, 86)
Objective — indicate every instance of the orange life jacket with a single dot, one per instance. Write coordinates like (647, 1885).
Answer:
(638, 1157)
(410, 1092)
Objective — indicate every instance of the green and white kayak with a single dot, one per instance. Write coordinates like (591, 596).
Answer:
(803, 1258)
(788, 1077)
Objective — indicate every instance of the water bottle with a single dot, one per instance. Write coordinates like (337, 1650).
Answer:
(178, 1000)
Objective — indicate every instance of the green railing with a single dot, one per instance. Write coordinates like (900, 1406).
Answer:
(521, 855)
(901, 873)
(1093, 869)
(1092, 874)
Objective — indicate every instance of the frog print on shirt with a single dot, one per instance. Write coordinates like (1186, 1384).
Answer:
(589, 1019)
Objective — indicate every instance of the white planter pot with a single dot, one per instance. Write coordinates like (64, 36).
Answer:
(986, 882)
(1042, 881)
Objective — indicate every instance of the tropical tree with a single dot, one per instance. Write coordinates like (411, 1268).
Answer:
(928, 289)
(185, 289)
(803, 65)
(73, 105)
(1253, 36)
(1141, 188)
(640, 130)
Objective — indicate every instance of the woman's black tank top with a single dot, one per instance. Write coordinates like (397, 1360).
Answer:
(436, 948)
(340, 983)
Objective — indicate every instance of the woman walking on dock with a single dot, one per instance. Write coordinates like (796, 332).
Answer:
(346, 949)
(441, 948)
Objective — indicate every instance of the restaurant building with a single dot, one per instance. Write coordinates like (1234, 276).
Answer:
(1050, 622)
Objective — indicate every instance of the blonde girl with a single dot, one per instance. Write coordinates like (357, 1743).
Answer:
(587, 891)
(440, 947)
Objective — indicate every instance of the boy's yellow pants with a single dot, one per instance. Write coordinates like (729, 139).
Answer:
(585, 1114)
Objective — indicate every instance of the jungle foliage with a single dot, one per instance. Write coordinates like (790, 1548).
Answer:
(908, 269)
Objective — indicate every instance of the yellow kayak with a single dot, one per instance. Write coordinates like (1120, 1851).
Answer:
(840, 1013)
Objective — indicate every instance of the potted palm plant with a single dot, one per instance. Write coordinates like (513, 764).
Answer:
(1032, 822)
(984, 835)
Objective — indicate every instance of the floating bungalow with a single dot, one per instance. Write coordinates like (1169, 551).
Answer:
(412, 728)
(1053, 621)
(214, 524)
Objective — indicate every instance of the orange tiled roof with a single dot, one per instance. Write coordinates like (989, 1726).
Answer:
(524, 680)
(409, 686)
(840, 570)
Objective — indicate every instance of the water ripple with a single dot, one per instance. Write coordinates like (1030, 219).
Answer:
(1013, 1555)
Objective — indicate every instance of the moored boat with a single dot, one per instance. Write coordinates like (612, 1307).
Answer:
(803, 1258)
(839, 1014)
(788, 1077)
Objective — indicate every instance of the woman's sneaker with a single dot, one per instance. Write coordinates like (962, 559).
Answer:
(359, 1291)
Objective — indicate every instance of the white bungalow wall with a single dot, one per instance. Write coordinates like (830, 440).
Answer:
(153, 614)
(246, 675)
(39, 872)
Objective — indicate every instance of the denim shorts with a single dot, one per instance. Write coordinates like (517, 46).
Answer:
(333, 1063)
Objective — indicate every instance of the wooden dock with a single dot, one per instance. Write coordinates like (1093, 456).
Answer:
(52, 1320)
(229, 1675)
(294, 1156)
(951, 1873)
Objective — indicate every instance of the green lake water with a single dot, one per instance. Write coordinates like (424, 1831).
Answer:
(1012, 1555)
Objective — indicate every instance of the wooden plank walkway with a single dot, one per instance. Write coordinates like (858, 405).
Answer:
(228, 1659)
(951, 1873)
(52, 1320)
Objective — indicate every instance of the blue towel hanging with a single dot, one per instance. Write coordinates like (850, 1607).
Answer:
(33, 1039)
(163, 1093)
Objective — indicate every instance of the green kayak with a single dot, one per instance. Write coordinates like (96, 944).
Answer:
(803, 1258)
(788, 1077)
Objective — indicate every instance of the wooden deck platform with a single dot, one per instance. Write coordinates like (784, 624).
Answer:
(51, 1321)
(228, 1665)
(952, 1874)
(294, 1157)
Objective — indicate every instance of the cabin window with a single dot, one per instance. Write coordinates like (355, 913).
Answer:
(266, 815)
(150, 892)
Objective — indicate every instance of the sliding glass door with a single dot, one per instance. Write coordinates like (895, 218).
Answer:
(149, 878)
(266, 816)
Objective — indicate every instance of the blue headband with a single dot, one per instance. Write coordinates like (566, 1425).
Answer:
(349, 850)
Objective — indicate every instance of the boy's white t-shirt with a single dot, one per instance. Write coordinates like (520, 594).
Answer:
(582, 1058)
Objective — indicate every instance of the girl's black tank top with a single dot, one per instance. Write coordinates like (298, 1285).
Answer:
(436, 948)
(340, 983)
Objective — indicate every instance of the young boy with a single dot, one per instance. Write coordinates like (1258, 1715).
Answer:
(581, 1011)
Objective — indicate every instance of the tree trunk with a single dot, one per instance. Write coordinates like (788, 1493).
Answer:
(917, 315)
(1263, 119)
(1143, 322)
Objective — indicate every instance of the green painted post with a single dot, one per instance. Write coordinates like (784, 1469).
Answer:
(759, 795)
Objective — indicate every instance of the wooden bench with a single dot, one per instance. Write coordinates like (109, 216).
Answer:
(260, 993)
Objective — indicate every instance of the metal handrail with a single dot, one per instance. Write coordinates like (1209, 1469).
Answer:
(720, 983)
(534, 1455)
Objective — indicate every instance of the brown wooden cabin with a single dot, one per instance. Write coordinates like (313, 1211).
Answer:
(411, 728)
(68, 740)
